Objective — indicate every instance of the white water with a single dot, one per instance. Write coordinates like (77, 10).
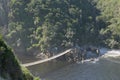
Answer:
(105, 67)
(107, 54)
(112, 53)
(113, 56)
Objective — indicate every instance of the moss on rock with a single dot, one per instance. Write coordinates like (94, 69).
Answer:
(9, 65)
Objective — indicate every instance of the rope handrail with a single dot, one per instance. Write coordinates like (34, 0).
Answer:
(45, 60)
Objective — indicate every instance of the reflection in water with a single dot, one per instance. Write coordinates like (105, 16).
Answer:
(103, 68)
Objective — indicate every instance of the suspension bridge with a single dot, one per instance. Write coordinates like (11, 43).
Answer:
(46, 60)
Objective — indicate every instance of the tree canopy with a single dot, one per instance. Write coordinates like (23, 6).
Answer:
(46, 24)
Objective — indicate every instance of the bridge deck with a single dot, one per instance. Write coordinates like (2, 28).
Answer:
(45, 60)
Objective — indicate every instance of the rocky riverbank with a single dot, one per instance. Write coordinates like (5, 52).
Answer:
(80, 53)
(76, 54)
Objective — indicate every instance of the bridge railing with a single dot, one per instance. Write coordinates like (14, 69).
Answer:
(45, 60)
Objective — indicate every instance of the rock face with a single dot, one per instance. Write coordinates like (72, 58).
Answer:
(80, 53)
(10, 68)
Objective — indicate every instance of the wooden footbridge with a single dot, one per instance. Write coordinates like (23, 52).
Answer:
(46, 60)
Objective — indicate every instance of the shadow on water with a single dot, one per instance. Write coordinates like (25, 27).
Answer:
(106, 67)
(47, 67)
(101, 68)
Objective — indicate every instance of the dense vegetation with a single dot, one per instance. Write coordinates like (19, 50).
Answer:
(10, 68)
(110, 14)
(46, 24)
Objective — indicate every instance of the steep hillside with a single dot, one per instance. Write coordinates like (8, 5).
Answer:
(43, 25)
(10, 68)
(46, 24)
(110, 15)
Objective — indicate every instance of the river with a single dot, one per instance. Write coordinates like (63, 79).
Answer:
(106, 67)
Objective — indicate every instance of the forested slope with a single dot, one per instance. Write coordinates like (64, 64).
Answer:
(10, 68)
(46, 24)
(110, 14)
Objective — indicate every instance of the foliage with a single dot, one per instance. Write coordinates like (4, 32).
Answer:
(46, 24)
(110, 14)
(27, 75)
(9, 66)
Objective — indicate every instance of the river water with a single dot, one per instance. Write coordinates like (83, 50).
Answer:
(106, 67)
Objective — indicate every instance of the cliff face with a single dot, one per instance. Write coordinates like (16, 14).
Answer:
(10, 68)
